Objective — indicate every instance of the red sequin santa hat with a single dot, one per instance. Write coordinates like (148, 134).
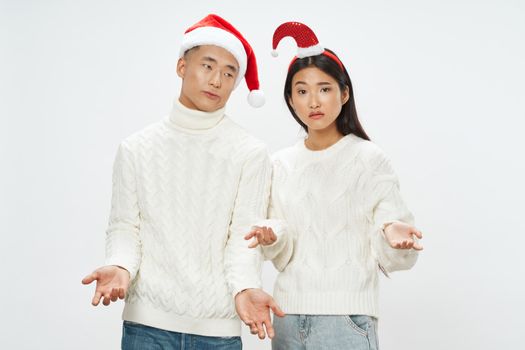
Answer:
(307, 42)
(214, 30)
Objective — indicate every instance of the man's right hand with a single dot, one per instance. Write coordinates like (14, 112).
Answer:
(112, 284)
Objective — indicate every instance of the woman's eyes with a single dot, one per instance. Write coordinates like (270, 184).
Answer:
(207, 66)
(302, 91)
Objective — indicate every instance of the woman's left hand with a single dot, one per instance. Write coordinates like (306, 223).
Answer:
(263, 236)
(401, 236)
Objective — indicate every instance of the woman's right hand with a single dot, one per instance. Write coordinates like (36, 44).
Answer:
(263, 236)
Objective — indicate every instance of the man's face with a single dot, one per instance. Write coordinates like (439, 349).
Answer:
(208, 75)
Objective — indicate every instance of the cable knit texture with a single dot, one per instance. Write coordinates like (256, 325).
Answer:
(334, 203)
(185, 192)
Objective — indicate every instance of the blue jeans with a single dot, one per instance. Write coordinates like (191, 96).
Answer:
(355, 332)
(139, 337)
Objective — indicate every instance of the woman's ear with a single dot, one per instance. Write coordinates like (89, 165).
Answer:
(290, 101)
(345, 95)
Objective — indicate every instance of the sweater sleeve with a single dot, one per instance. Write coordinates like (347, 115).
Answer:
(242, 264)
(279, 252)
(388, 206)
(123, 245)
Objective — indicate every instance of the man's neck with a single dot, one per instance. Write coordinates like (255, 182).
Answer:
(188, 118)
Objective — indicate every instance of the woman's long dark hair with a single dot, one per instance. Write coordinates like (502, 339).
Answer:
(347, 121)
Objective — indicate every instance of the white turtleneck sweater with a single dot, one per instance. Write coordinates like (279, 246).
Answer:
(185, 192)
(328, 208)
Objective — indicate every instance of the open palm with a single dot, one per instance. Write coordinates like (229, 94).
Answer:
(112, 284)
(401, 236)
(253, 307)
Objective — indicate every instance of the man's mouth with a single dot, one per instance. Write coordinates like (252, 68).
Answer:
(211, 95)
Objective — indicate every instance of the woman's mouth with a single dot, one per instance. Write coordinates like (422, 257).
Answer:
(316, 115)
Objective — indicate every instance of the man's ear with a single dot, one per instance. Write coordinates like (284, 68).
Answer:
(181, 67)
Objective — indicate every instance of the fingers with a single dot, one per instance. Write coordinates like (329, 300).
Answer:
(254, 244)
(253, 327)
(417, 246)
(263, 235)
(266, 324)
(106, 299)
(114, 294)
(90, 278)
(269, 329)
(273, 236)
(260, 236)
(276, 309)
(266, 236)
(257, 327)
(96, 298)
(418, 234)
(251, 234)
(107, 294)
(260, 329)
(407, 244)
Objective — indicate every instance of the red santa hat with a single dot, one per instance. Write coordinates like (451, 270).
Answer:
(307, 42)
(214, 30)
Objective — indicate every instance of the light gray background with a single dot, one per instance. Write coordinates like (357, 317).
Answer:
(439, 86)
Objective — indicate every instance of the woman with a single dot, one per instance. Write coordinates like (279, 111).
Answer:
(338, 197)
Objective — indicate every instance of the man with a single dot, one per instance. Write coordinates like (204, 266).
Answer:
(185, 192)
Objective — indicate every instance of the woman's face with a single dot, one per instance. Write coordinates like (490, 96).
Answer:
(316, 98)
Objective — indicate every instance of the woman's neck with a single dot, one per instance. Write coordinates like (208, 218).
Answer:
(321, 139)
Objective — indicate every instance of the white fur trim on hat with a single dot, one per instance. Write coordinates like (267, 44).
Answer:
(310, 51)
(217, 37)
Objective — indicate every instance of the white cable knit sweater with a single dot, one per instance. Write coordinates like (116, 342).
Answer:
(333, 204)
(185, 192)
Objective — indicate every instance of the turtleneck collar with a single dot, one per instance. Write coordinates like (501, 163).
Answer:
(192, 119)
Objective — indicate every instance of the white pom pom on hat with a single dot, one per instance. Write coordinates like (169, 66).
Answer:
(256, 98)
(214, 30)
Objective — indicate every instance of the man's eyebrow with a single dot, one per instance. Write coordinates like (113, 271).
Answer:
(232, 68)
(210, 59)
